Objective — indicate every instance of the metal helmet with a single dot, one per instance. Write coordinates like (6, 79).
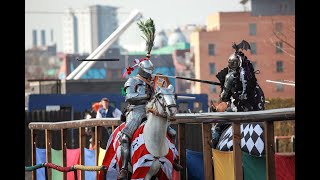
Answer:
(233, 62)
(145, 69)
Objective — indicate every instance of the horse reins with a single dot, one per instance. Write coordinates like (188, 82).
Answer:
(156, 112)
(153, 110)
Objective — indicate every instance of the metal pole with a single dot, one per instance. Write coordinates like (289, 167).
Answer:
(72, 129)
(75, 71)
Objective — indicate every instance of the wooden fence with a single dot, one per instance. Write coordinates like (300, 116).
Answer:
(193, 142)
(205, 119)
(49, 116)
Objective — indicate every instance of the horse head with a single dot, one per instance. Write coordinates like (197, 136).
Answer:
(163, 103)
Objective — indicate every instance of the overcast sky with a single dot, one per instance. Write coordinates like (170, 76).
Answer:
(166, 14)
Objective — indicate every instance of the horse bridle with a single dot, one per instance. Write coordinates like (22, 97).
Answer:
(164, 106)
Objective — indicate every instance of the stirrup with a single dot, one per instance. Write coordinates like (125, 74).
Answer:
(177, 166)
(123, 174)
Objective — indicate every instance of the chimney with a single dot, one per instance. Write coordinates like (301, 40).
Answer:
(43, 37)
(34, 38)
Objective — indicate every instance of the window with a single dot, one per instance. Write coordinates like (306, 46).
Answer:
(213, 88)
(212, 68)
(183, 107)
(283, 7)
(253, 48)
(211, 49)
(191, 49)
(279, 87)
(279, 66)
(279, 47)
(278, 27)
(252, 29)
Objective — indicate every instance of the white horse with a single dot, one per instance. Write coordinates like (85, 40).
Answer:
(152, 151)
(161, 109)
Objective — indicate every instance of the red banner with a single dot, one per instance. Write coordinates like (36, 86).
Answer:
(73, 157)
(285, 166)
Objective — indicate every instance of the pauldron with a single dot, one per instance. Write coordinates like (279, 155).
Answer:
(137, 91)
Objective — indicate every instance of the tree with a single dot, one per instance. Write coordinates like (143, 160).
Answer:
(284, 33)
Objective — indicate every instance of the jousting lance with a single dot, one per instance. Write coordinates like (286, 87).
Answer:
(190, 79)
(97, 59)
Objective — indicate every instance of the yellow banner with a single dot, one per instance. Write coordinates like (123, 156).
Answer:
(102, 152)
(223, 164)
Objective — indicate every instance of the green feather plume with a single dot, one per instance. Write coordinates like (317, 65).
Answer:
(148, 29)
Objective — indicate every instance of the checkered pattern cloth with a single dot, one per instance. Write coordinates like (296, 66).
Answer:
(252, 139)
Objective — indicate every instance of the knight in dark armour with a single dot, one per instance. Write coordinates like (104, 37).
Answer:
(240, 91)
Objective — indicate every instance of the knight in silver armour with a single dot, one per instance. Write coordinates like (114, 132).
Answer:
(138, 92)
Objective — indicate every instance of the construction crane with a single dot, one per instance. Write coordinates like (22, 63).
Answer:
(97, 53)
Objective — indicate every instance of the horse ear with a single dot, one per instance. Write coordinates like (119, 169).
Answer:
(171, 88)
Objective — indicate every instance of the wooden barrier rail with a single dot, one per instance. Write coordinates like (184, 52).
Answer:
(277, 138)
(206, 119)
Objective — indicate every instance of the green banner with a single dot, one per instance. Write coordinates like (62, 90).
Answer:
(254, 168)
(56, 158)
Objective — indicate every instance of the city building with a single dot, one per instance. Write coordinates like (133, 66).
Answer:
(43, 37)
(69, 33)
(271, 36)
(85, 29)
(34, 38)
(176, 37)
(160, 40)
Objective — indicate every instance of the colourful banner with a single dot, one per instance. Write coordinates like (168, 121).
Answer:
(56, 158)
(73, 157)
(223, 163)
(175, 175)
(285, 166)
(90, 160)
(102, 152)
(40, 158)
(254, 168)
(195, 165)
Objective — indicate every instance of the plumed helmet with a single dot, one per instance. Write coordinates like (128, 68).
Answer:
(145, 69)
(233, 62)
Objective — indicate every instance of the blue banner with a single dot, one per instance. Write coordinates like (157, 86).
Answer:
(195, 167)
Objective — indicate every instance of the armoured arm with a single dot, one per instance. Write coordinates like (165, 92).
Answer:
(136, 91)
(229, 82)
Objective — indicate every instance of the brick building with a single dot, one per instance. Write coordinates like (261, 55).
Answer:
(272, 57)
